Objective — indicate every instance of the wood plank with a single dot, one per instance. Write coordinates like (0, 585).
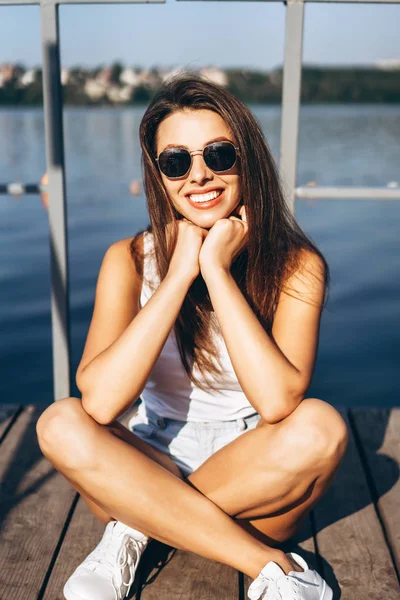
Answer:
(302, 543)
(7, 414)
(186, 575)
(34, 506)
(83, 534)
(379, 433)
(350, 540)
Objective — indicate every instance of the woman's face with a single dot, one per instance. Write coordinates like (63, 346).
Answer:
(194, 129)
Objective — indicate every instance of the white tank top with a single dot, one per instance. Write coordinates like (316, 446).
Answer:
(169, 392)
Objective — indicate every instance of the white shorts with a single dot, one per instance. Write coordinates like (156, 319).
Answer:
(188, 443)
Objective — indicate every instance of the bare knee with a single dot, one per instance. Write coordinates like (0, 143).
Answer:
(62, 411)
(318, 430)
(62, 432)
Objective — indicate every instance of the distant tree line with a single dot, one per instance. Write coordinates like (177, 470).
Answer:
(319, 85)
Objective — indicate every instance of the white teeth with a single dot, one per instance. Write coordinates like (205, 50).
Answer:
(205, 197)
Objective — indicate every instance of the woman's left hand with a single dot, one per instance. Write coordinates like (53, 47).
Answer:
(224, 241)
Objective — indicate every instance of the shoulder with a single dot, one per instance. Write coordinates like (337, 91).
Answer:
(125, 247)
(122, 265)
(127, 253)
(306, 277)
(310, 262)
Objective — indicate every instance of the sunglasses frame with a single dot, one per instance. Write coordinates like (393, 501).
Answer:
(191, 152)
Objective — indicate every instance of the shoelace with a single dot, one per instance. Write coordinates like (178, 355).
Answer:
(124, 559)
(271, 589)
(105, 559)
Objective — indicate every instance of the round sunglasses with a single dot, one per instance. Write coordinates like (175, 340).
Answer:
(218, 156)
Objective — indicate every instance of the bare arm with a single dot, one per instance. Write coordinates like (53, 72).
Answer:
(125, 341)
(274, 372)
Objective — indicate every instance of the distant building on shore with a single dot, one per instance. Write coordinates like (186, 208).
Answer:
(215, 75)
(388, 64)
(7, 72)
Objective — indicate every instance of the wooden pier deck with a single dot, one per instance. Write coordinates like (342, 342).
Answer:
(352, 536)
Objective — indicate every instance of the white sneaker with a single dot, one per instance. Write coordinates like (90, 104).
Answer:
(273, 584)
(107, 573)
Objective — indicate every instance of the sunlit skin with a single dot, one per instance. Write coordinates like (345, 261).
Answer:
(256, 490)
(194, 129)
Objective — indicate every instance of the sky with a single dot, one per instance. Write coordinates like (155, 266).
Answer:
(193, 34)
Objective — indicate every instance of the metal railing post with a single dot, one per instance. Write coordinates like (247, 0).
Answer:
(291, 97)
(52, 99)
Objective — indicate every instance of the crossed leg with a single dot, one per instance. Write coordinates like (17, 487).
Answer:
(267, 477)
(270, 482)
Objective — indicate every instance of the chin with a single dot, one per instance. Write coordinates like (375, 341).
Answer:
(205, 223)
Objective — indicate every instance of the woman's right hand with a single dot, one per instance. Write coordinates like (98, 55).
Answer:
(185, 259)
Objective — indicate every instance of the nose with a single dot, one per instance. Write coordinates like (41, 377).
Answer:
(199, 170)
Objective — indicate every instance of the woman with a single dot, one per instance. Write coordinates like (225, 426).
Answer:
(211, 315)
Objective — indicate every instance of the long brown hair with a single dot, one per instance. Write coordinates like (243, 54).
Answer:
(275, 240)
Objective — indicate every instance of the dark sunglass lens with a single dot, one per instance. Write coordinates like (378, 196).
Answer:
(220, 156)
(174, 162)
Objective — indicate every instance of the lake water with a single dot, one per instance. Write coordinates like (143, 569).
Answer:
(344, 145)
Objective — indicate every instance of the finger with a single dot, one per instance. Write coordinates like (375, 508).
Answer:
(242, 212)
(240, 219)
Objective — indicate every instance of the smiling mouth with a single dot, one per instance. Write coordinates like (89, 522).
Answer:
(199, 198)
